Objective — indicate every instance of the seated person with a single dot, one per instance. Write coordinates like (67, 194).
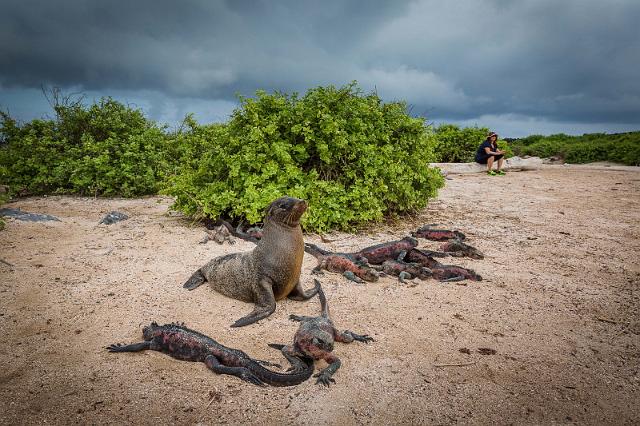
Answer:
(488, 153)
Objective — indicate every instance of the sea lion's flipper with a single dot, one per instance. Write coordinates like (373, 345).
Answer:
(196, 280)
(265, 304)
(298, 293)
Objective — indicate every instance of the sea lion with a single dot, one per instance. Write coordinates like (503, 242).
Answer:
(270, 272)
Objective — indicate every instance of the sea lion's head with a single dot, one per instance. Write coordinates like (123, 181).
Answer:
(287, 210)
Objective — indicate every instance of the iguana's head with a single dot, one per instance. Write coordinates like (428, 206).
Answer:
(148, 331)
(314, 343)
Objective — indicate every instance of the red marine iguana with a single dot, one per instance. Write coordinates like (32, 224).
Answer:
(315, 338)
(404, 270)
(455, 247)
(433, 234)
(182, 343)
(352, 266)
(439, 271)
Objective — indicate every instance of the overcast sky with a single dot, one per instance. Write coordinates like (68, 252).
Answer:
(519, 67)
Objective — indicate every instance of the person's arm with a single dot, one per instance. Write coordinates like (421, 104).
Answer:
(489, 152)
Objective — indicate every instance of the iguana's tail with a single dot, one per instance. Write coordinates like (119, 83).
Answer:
(324, 306)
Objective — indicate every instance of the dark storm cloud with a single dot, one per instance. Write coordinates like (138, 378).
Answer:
(185, 48)
(573, 61)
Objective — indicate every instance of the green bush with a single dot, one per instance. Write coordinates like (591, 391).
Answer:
(459, 145)
(4, 197)
(625, 152)
(352, 157)
(586, 152)
(546, 148)
(506, 147)
(105, 149)
(620, 148)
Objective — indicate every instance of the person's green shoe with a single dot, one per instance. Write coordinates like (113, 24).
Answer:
(492, 173)
(500, 172)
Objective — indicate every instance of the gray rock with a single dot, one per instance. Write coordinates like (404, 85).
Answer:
(113, 217)
(26, 216)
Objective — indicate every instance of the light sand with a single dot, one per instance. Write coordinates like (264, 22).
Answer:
(559, 305)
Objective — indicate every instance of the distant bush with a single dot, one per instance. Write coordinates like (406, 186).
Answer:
(620, 148)
(104, 149)
(625, 152)
(352, 157)
(459, 145)
(4, 197)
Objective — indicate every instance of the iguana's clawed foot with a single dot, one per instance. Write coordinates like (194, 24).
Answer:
(404, 276)
(453, 279)
(249, 377)
(269, 363)
(133, 347)
(116, 347)
(365, 338)
(352, 277)
(324, 379)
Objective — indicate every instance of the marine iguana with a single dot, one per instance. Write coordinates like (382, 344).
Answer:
(439, 271)
(433, 234)
(404, 270)
(182, 343)
(270, 272)
(315, 338)
(359, 263)
(455, 247)
(378, 253)
(219, 234)
(347, 264)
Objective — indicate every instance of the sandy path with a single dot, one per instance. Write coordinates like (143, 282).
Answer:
(559, 305)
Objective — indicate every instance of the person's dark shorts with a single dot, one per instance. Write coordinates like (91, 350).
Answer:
(485, 159)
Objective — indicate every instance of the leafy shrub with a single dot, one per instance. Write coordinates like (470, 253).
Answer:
(586, 152)
(546, 148)
(105, 149)
(459, 145)
(625, 152)
(621, 148)
(4, 197)
(352, 157)
(506, 147)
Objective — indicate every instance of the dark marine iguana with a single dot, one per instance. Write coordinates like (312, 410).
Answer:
(404, 270)
(182, 343)
(440, 272)
(455, 247)
(359, 263)
(350, 265)
(433, 234)
(315, 338)
(378, 253)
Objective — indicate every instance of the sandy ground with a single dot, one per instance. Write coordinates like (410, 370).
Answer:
(559, 305)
